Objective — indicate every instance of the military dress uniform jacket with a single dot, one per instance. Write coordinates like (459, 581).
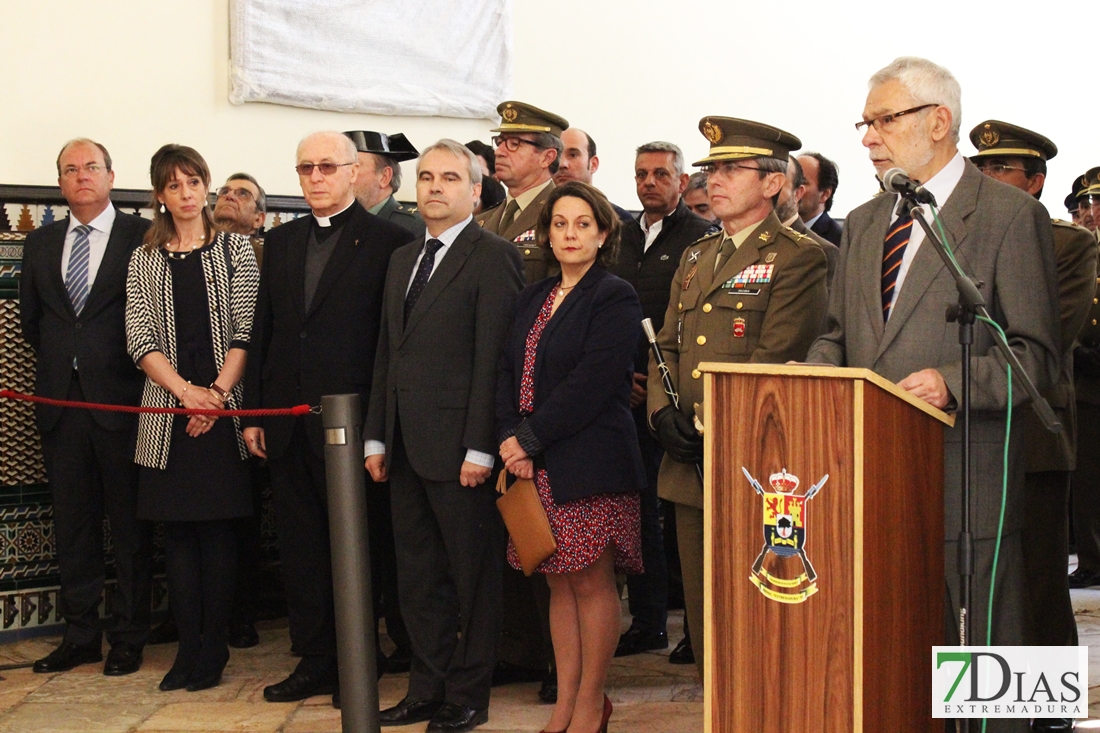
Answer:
(1075, 254)
(1086, 374)
(521, 233)
(403, 216)
(763, 305)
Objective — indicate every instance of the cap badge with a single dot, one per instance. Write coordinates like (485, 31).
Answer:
(510, 114)
(712, 132)
(989, 137)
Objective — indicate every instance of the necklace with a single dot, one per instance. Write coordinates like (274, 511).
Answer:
(179, 255)
(560, 288)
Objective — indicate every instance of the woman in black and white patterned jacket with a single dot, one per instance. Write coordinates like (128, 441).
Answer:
(190, 294)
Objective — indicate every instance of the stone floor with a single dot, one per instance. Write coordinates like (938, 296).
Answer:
(650, 695)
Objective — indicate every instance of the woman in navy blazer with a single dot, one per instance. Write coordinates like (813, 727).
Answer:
(563, 408)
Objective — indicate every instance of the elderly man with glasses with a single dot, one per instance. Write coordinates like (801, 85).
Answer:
(314, 333)
(528, 151)
(887, 315)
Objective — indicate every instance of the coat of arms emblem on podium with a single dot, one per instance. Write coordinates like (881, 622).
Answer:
(784, 537)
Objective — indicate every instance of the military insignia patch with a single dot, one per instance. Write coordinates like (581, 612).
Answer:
(989, 137)
(527, 236)
(770, 257)
(693, 256)
(688, 277)
(784, 519)
(712, 132)
(764, 236)
(510, 114)
(739, 328)
(751, 275)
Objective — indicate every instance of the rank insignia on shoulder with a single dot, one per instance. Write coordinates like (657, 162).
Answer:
(770, 257)
(751, 275)
(694, 256)
(527, 236)
(739, 328)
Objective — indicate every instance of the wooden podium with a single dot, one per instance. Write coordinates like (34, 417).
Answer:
(823, 596)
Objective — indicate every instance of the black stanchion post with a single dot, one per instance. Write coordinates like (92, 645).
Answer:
(351, 578)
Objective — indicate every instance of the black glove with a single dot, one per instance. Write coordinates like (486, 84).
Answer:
(677, 435)
(1086, 362)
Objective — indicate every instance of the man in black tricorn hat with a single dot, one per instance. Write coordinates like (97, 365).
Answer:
(380, 157)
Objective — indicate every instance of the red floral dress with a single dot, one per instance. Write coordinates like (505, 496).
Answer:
(583, 527)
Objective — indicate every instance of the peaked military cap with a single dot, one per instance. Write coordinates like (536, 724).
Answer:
(521, 117)
(395, 146)
(735, 139)
(994, 137)
(1089, 182)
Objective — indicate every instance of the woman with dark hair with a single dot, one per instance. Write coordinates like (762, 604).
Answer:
(190, 293)
(563, 407)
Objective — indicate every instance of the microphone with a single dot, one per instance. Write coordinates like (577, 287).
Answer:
(897, 181)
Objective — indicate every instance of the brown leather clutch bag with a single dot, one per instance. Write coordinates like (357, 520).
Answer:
(526, 521)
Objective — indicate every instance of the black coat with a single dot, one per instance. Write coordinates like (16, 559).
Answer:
(582, 376)
(97, 338)
(437, 374)
(650, 271)
(294, 356)
(828, 228)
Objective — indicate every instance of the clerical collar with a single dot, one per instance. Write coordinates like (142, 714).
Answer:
(336, 220)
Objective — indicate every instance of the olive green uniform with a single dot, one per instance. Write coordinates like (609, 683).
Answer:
(1086, 477)
(763, 305)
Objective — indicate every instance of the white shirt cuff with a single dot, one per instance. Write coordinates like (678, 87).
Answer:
(374, 448)
(481, 459)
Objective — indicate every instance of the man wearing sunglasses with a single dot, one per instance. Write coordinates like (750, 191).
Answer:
(314, 333)
(887, 315)
(1018, 156)
(528, 150)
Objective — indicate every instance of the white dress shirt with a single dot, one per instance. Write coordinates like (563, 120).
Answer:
(810, 224)
(941, 185)
(651, 232)
(97, 243)
(377, 447)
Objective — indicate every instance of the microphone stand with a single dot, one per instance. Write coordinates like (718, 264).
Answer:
(972, 304)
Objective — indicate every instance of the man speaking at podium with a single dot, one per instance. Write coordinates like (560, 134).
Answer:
(887, 311)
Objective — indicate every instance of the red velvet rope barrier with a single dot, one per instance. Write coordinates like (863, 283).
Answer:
(292, 411)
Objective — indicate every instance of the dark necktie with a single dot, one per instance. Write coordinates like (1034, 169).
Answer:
(423, 273)
(509, 215)
(76, 276)
(893, 249)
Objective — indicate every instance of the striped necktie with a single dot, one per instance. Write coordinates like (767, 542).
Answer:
(893, 249)
(76, 276)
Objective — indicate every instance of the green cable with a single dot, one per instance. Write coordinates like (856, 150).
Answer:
(1004, 470)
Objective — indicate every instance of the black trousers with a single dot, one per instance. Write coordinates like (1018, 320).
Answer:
(301, 515)
(383, 563)
(1086, 488)
(1045, 536)
(92, 473)
(450, 552)
(201, 560)
(246, 595)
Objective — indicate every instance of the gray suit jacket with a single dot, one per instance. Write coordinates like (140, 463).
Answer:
(438, 373)
(1002, 238)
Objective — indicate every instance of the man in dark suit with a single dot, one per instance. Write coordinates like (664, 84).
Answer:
(822, 178)
(887, 315)
(430, 429)
(528, 152)
(579, 162)
(649, 253)
(786, 208)
(380, 158)
(72, 300)
(314, 333)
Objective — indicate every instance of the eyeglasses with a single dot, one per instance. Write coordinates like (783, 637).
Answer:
(327, 169)
(243, 193)
(997, 169)
(885, 120)
(513, 143)
(92, 169)
(1088, 201)
(727, 167)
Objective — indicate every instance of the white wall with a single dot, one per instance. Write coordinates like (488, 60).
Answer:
(135, 74)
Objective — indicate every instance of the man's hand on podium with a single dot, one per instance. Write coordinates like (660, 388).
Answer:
(928, 385)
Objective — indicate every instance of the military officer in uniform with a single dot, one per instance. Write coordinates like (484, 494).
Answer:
(1088, 200)
(380, 157)
(753, 292)
(1086, 379)
(528, 150)
(1018, 156)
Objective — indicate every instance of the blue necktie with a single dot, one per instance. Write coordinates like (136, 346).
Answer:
(423, 272)
(893, 249)
(76, 277)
